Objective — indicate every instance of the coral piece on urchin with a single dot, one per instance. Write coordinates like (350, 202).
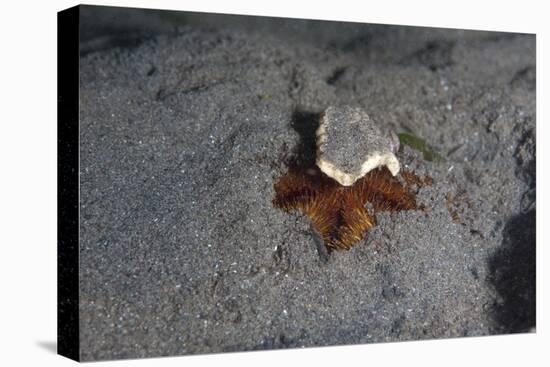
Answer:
(349, 145)
(355, 167)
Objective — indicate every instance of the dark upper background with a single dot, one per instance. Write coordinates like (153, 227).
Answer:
(106, 27)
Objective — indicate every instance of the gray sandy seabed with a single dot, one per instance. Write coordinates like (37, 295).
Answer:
(184, 134)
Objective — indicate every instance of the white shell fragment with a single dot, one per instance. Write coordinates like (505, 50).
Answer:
(349, 145)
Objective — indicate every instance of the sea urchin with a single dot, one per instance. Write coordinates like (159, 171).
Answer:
(340, 213)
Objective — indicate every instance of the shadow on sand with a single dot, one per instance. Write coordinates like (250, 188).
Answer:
(512, 271)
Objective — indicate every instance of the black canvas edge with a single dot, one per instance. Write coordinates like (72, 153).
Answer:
(68, 331)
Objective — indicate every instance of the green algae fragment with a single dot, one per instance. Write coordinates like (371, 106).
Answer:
(419, 144)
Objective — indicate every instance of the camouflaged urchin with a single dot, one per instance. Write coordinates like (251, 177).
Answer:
(349, 145)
